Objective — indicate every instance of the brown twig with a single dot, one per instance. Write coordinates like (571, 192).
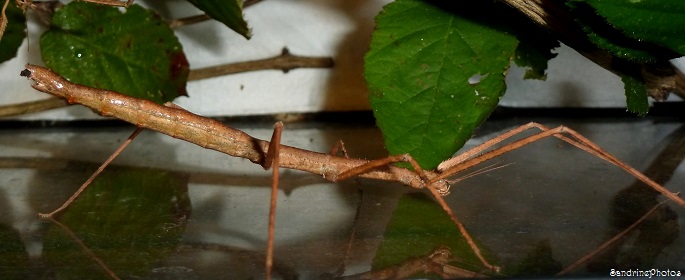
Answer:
(179, 22)
(435, 262)
(32, 107)
(3, 19)
(176, 23)
(284, 62)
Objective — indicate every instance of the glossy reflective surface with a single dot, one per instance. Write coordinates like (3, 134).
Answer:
(168, 209)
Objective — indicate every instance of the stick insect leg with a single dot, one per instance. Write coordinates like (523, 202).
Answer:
(272, 160)
(438, 193)
(338, 148)
(566, 134)
(92, 177)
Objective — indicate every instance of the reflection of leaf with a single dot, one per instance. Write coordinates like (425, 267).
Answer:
(14, 262)
(419, 226)
(538, 262)
(14, 32)
(418, 70)
(228, 12)
(130, 218)
(134, 52)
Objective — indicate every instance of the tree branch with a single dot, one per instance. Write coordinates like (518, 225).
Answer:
(285, 62)
(32, 107)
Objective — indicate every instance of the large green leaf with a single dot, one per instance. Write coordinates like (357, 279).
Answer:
(639, 31)
(228, 12)
(132, 52)
(14, 32)
(655, 21)
(418, 71)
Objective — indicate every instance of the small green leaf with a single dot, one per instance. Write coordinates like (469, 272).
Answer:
(534, 55)
(636, 95)
(14, 32)
(418, 226)
(433, 77)
(228, 12)
(132, 52)
(131, 218)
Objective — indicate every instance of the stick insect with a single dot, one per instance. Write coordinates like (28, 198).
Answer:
(179, 123)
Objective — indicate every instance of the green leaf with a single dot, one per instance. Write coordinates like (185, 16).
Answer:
(131, 218)
(418, 70)
(419, 226)
(228, 12)
(636, 95)
(656, 21)
(639, 41)
(14, 32)
(132, 52)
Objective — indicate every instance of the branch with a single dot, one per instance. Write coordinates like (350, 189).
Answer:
(285, 62)
(176, 23)
(32, 107)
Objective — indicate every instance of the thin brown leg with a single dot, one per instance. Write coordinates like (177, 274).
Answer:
(338, 147)
(460, 163)
(272, 160)
(92, 177)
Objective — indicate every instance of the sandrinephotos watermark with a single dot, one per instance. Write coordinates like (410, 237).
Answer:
(649, 273)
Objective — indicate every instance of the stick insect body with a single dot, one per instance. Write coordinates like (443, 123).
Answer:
(179, 123)
(208, 133)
